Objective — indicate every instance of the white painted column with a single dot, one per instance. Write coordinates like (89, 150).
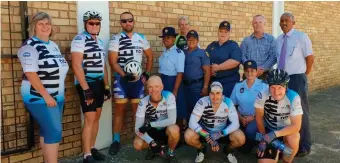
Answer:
(278, 10)
(104, 137)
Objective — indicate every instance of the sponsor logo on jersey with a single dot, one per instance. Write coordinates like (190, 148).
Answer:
(78, 38)
(26, 54)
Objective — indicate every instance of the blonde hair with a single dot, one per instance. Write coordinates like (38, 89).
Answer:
(37, 17)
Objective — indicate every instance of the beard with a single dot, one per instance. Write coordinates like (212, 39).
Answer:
(128, 30)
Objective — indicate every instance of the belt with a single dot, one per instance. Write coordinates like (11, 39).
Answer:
(188, 82)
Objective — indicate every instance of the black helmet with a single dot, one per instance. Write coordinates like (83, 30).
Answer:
(278, 77)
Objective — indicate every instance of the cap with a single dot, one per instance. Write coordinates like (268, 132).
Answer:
(225, 24)
(168, 31)
(249, 64)
(192, 33)
(216, 87)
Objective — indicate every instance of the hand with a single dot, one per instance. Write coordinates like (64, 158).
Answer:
(215, 68)
(261, 148)
(269, 137)
(175, 93)
(155, 148)
(209, 140)
(244, 121)
(88, 96)
(50, 101)
(145, 76)
(216, 135)
(204, 91)
(215, 147)
(249, 118)
(107, 94)
(129, 77)
(145, 128)
(260, 71)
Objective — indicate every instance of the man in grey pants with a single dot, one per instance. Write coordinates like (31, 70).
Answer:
(296, 58)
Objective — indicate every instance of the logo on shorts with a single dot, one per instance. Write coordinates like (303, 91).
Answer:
(26, 54)
(241, 90)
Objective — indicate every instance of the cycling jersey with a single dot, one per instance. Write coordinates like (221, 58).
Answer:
(45, 59)
(93, 56)
(128, 48)
(214, 122)
(277, 113)
(151, 114)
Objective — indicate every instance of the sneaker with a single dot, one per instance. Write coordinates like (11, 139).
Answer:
(149, 155)
(199, 157)
(302, 153)
(88, 159)
(231, 158)
(114, 148)
(97, 155)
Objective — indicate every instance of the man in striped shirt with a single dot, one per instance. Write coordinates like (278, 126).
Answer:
(260, 47)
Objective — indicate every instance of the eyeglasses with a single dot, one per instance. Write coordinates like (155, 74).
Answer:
(127, 20)
(93, 23)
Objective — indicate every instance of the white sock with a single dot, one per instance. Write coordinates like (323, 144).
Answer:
(92, 147)
(87, 154)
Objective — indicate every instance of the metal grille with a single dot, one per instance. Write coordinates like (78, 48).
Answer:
(17, 132)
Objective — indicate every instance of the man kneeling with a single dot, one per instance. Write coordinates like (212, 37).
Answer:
(155, 121)
(209, 122)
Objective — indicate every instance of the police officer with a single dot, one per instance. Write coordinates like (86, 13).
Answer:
(225, 57)
(196, 72)
(171, 68)
(243, 96)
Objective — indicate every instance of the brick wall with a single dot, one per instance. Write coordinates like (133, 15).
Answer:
(320, 20)
(64, 19)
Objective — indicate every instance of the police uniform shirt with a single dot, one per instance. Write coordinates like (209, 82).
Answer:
(93, 56)
(220, 53)
(45, 59)
(194, 61)
(299, 46)
(171, 61)
(245, 97)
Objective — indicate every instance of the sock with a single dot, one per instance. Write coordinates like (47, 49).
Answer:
(92, 147)
(171, 152)
(116, 137)
(87, 154)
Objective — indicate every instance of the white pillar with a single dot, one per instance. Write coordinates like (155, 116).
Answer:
(104, 137)
(278, 10)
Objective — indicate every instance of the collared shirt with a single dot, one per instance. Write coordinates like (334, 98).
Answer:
(245, 97)
(220, 53)
(171, 61)
(299, 46)
(194, 61)
(262, 50)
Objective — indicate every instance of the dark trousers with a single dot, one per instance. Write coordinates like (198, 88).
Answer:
(298, 83)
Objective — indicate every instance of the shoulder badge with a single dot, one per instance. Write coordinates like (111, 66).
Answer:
(178, 50)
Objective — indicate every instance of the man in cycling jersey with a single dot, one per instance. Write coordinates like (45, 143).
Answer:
(278, 115)
(214, 120)
(156, 121)
(124, 47)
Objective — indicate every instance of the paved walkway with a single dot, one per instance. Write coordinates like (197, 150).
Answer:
(325, 125)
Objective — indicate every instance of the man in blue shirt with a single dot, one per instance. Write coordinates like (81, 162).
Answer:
(225, 57)
(196, 72)
(260, 47)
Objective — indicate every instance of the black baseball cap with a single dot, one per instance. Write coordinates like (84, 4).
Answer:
(192, 33)
(225, 25)
(168, 31)
(249, 64)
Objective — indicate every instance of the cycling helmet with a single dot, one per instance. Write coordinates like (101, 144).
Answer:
(133, 67)
(278, 77)
(92, 15)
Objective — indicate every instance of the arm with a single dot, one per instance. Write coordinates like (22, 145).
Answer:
(148, 54)
(166, 122)
(77, 61)
(36, 83)
(178, 81)
(228, 64)
(113, 57)
(139, 124)
(244, 47)
(293, 128)
(193, 124)
(309, 63)
(234, 121)
(272, 56)
(206, 70)
(106, 80)
(180, 71)
(259, 116)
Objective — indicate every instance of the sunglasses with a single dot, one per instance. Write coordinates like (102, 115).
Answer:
(93, 23)
(127, 20)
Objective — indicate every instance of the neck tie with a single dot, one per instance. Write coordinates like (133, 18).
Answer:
(282, 61)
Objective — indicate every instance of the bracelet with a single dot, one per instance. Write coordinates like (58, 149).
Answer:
(107, 87)
(205, 86)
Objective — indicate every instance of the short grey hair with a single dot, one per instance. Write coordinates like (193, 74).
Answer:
(289, 14)
(183, 18)
(259, 16)
(37, 17)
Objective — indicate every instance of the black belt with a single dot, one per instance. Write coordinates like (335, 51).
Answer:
(188, 82)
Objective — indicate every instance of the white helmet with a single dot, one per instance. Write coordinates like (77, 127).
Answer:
(92, 15)
(133, 67)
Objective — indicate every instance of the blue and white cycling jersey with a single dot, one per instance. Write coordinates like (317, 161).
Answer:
(45, 59)
(128, 49)
(277, 113)
(93, 56)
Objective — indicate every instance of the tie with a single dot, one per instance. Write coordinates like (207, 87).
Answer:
(283, 53)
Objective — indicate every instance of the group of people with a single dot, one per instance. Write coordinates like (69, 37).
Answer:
(197, 96)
